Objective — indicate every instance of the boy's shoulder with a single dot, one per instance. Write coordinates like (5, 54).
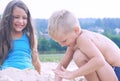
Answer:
(89, 34)
(86, 36)
(82, 35)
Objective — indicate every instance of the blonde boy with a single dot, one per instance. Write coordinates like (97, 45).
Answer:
(93, 53)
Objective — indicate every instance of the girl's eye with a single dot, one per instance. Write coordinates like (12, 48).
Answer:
(24, 17)
(16, 17)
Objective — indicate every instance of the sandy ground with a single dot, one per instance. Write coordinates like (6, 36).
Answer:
(48, 66)
(47, 74)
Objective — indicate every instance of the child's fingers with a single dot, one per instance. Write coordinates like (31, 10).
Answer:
(63, 69)
(55, 71)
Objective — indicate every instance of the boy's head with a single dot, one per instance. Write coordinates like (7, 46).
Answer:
(61, 24)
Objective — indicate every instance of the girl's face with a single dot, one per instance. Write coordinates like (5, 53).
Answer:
(19, 19)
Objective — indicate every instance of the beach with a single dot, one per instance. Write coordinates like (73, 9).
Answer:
(48, 66)
(12, 74)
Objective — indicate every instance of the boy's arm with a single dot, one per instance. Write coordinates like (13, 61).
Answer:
(64, 61)
(96, 59)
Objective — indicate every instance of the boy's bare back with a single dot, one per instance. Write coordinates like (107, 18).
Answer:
(107, 47)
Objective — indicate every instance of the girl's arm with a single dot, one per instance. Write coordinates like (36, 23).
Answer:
(36, 61)
(35, 57)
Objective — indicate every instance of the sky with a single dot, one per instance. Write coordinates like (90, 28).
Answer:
(81, 8)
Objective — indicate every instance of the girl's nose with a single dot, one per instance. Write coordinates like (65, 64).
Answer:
(21, 20)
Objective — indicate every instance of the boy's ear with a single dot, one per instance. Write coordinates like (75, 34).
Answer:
(76, 29)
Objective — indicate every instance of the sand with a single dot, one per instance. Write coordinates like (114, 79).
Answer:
(12, 74)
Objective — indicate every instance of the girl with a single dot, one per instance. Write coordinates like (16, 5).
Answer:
(18, 43)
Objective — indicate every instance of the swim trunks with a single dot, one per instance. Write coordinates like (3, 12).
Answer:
(117, 71)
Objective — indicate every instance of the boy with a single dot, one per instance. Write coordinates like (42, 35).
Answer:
(94, 54)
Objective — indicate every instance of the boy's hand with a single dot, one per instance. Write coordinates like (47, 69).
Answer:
(63, 73)
(57, 78)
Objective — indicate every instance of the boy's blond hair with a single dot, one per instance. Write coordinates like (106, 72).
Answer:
(61, 21)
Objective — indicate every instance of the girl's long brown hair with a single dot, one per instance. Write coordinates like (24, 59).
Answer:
(6, 28)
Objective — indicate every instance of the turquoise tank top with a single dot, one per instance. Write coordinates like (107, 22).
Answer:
(20, 56)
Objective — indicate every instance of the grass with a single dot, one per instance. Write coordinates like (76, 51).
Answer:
(50, 57)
